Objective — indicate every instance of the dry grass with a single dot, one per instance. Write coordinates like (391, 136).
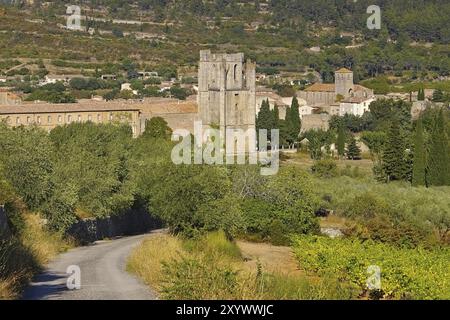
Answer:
(23, 256)
(146, 260)
(214, 268)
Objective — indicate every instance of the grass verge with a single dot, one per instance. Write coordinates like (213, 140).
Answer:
(23, 255)
(212, 268)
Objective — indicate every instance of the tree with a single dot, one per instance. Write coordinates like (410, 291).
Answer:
(318, 139)
(421, 95)
(375, 140)
(439, 157)
(341, 141)
(438, 96)
(276, 117)
(265, 119)
(419, 162)
(295, 119)
(353, 151)
(394, 164)
(157, 127)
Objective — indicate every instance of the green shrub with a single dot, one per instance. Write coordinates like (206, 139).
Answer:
(326, 168)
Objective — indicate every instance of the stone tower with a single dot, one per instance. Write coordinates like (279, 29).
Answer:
(226, 91)
(344, 82)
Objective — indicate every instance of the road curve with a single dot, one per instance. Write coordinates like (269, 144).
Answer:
(103, 274)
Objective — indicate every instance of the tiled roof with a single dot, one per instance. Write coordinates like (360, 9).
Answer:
(91, 106)
(321, 87)
(344, 70)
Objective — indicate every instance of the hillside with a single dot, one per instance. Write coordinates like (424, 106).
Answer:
(413, 40)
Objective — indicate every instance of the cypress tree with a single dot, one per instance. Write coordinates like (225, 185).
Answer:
(264, 119)
(421, 94)
(394, 164)
(295, 118)
(439, 157)
(419, 162)
(353, 152)
(276, 117)
(341, 141)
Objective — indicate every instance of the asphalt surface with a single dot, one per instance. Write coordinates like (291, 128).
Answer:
(102, 274)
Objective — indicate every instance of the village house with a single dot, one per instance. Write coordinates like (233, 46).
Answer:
(356, 106)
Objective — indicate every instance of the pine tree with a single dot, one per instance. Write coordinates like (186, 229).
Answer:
(394, 164)
(341, 141)
(439, 156)
(353, 152)
(438, 95)
(419, 163)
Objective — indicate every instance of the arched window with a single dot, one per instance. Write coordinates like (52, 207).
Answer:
(235, 72)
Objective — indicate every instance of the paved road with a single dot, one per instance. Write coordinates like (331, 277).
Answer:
(103, 274)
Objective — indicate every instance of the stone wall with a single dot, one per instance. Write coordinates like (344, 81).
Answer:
(129, 223)
(4, 228)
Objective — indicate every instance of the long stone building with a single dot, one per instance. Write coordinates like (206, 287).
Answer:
(49, 116)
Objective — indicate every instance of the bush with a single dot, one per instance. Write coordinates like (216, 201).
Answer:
(221, 214)
(326, 168)
(157, 127)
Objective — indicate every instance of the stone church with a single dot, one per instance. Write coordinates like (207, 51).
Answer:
(226, 91)
(343, 89)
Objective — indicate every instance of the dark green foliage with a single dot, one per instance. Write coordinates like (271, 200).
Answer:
(352, 123)
(439, 155)
(181, 191)
(394, 154)
(421, 94)
(294, 119)
(266, 119)
(353, 151)
(385, 111)
(420, 157)
(158, 128)
(25, 157)
(318, 139)
(375, 141)
(92, 167)
(179, 93)
(438, 96)
(284, 204)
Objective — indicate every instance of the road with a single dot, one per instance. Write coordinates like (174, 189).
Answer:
(102, 274)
